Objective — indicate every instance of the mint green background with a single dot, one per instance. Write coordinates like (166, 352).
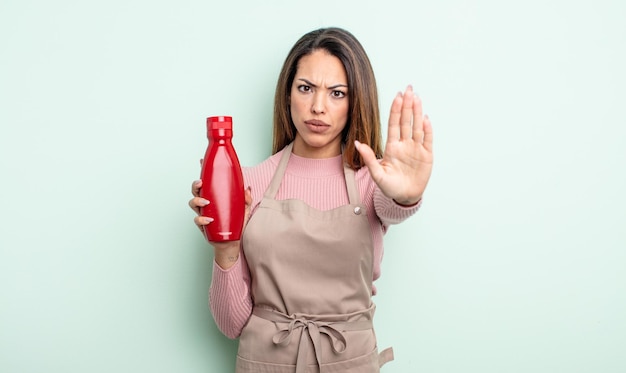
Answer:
(516, 262)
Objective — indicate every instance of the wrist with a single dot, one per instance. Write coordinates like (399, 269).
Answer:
(408, 203)
(226, 253)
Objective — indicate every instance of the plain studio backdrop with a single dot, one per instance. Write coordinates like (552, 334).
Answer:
(516, 262)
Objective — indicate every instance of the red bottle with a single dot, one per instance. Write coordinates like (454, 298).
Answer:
(222, 183)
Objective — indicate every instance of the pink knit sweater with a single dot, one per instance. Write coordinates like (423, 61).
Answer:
(321, 184)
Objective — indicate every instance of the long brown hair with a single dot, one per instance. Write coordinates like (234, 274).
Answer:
(363, 113)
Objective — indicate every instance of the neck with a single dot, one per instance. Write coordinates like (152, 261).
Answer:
(330, 150)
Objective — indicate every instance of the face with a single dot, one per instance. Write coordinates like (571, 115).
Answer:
(319, 105)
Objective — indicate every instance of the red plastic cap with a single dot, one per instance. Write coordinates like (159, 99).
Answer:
(220, 122)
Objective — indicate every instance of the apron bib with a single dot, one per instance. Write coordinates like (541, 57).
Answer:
(311, 284)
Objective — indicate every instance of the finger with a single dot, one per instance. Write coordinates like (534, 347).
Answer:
(369, 158)
(201, 221)
(428, 134)
(196, 203)
(393, 131)
(406, 118)
(248, 199)
(248, 196)
(195, 188)
(418, 120)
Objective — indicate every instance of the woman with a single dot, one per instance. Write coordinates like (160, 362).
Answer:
(297, 289)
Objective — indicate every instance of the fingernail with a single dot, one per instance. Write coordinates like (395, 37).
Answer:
(204, 202)
(357, 144)
(208, 220)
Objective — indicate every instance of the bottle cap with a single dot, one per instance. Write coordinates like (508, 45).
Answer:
(219, 123)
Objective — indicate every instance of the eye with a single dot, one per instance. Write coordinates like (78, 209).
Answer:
(304, 88)
(338, 94)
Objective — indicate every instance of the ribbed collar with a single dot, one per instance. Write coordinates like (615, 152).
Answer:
(311, 167)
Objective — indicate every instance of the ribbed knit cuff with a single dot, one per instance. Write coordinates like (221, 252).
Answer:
(229, 299)
(391, 212)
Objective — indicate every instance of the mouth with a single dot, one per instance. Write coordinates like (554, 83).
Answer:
(317, 126)
(317, 123)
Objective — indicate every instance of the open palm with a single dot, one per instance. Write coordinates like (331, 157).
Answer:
(407, 162)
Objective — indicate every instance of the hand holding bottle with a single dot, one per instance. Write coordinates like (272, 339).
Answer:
(226, 252)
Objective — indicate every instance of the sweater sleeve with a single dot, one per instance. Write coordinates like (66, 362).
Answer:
(389, 212)
(229, 297)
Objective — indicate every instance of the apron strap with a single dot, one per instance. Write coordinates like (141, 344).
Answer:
(385, 356)
(353, 192)
(272, 189)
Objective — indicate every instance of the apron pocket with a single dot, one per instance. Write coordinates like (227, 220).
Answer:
(368, 363)
(246, 366)
(363, 364)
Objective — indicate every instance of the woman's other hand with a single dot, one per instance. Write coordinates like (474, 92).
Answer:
(407, 162)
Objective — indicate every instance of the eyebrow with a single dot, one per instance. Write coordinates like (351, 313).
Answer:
(331, 87)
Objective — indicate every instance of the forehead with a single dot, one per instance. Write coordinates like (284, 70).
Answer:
(321, 64)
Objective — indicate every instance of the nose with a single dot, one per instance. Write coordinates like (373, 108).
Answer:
(318, 106)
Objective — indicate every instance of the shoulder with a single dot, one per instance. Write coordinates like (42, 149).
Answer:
(269, 165)
(364, 178)
(258, 177)
(366, 185)
(259, 169)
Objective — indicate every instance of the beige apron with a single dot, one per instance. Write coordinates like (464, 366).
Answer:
(311, 285)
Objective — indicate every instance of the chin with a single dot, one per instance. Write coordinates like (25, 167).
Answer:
(317, 143)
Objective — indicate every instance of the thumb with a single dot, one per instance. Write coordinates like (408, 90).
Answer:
(248, 196)
(248, 209)
(369, 158)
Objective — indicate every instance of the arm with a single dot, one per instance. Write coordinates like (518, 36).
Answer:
(229, 295)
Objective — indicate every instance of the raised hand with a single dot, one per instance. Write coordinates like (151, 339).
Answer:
(407, 162)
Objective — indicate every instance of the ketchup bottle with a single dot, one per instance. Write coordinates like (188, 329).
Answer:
(222, 183)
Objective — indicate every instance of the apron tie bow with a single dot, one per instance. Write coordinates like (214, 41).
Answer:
(312, 331)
